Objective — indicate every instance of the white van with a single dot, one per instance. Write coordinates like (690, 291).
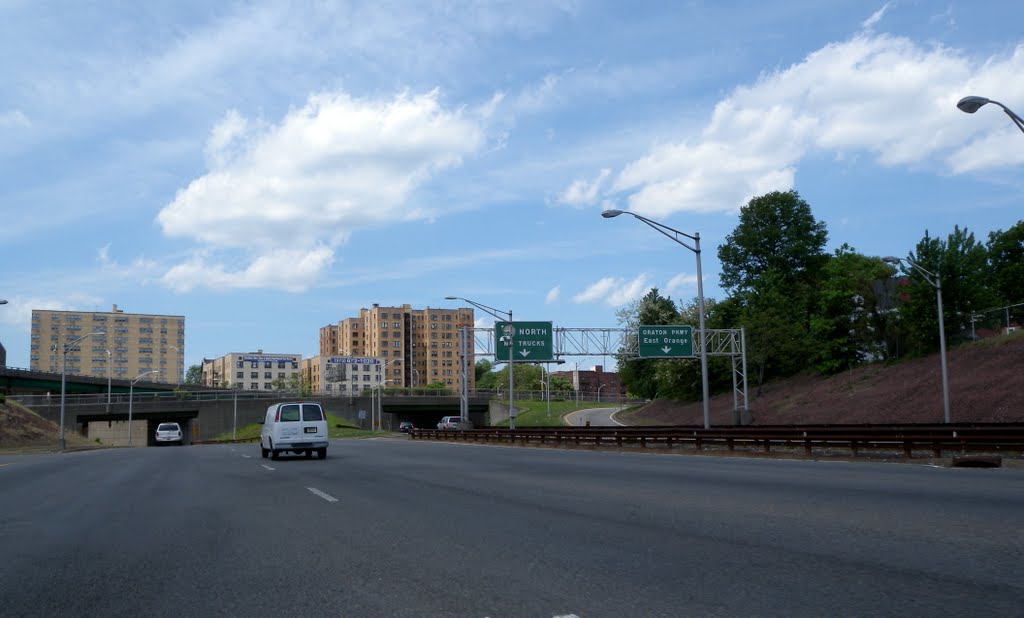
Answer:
(299, 427)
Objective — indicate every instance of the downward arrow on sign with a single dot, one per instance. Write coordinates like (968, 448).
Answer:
(666, 349)
(524, 353)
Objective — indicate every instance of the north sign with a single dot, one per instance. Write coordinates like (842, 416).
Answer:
(531, 342)
(672, 341)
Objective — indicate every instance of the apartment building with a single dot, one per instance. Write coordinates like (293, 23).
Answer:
(342, 375)
(416, 346)
(253, 371)
(111, 344)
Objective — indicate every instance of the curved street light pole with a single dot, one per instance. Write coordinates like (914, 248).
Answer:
(509, 334)
(935, 282)
(674, 235)
(972, 104)
(131, 392)
(63, 381)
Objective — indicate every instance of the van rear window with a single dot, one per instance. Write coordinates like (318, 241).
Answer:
(312, 412)
(289, 413)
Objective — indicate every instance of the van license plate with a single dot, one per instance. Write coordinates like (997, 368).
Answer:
(310, 429)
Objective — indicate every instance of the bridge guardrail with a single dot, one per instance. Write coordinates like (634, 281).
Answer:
(905, 440)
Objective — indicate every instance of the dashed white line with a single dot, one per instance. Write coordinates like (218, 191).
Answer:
(267, 467)
(326, 497)
(247, 456)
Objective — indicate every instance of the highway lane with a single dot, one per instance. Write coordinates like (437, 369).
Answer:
(401, 528)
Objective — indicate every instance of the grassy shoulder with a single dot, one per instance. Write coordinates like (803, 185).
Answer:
(535, 413)
(337, 428)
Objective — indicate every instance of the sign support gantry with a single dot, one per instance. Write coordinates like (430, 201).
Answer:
(621, 342)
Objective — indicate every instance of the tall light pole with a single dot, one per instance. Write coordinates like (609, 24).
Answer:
(599, 387)
(63, 371)
(416, 377)
(934, 281)
(972, 104)
(675, 234)
(510, 332)
(131, 389)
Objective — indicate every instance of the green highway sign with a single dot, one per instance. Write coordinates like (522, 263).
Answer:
(665, 341)
(531, 342)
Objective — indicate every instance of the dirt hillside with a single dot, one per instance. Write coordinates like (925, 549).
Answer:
(23, 429)
(986, 384)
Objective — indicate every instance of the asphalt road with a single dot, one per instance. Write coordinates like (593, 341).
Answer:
(393, 527)
(597, 417)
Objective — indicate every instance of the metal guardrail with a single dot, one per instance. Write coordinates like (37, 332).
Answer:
(855, 440)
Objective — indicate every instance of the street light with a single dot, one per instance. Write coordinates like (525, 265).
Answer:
(972, 104)
(131, 389)
(674, 235)
(416, 378)
(63, 371)
(599, 387)
(934, 281)
(510, 332)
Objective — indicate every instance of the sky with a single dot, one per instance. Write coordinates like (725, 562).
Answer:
(268, 168)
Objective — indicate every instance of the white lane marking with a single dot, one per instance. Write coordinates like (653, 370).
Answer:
(326, 497)
(267, 467)
(247, 456)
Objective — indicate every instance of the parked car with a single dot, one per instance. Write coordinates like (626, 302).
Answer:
(455, 422)
(406, 426)
(299, 427)
(168, 433)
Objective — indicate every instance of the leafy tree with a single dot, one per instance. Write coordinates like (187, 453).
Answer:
(846, 323)
(641, 376)
(436, 385)
(194, 375)
(776, 233)
(482, 367)
(560, 387)
(961, 264)
(1006, 261)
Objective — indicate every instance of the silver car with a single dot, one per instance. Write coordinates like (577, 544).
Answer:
(168, 433)
(455, 422)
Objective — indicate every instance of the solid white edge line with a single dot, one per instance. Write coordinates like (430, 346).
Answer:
(326, 497)
(267, 467)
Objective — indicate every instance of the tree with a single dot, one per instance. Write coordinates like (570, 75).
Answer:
(1006, 262)
(846, 325)
(194, 375)
(961, 264)
(482, 367)
(640, 376)
(776, 233)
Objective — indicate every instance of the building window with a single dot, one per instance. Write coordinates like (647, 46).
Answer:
(239, 364)
(267, 375)
(254, 374)
(254, 386)
(240, 375)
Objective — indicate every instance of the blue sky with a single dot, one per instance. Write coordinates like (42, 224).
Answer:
(267, 168)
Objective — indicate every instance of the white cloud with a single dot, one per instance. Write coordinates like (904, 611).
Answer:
(331, 167)
(613, 291)
(14, 118)
(292, 270)
(876, 17)
(879, 94)
(680, 284)
(584, 193)
(553, 295)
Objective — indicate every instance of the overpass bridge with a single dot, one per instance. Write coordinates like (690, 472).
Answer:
(206, 415)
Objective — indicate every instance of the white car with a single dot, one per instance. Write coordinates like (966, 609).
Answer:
(299, 427)
(168, 433)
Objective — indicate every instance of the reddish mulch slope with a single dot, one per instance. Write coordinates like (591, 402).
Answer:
(985, 385)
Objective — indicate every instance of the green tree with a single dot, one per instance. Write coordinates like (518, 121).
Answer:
(1006, 263)
(847, 321)
(961, 264)
(194, 375)
(641, 376)
(771, 265)
(482, 367)
(776, 233)
(486, 377)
